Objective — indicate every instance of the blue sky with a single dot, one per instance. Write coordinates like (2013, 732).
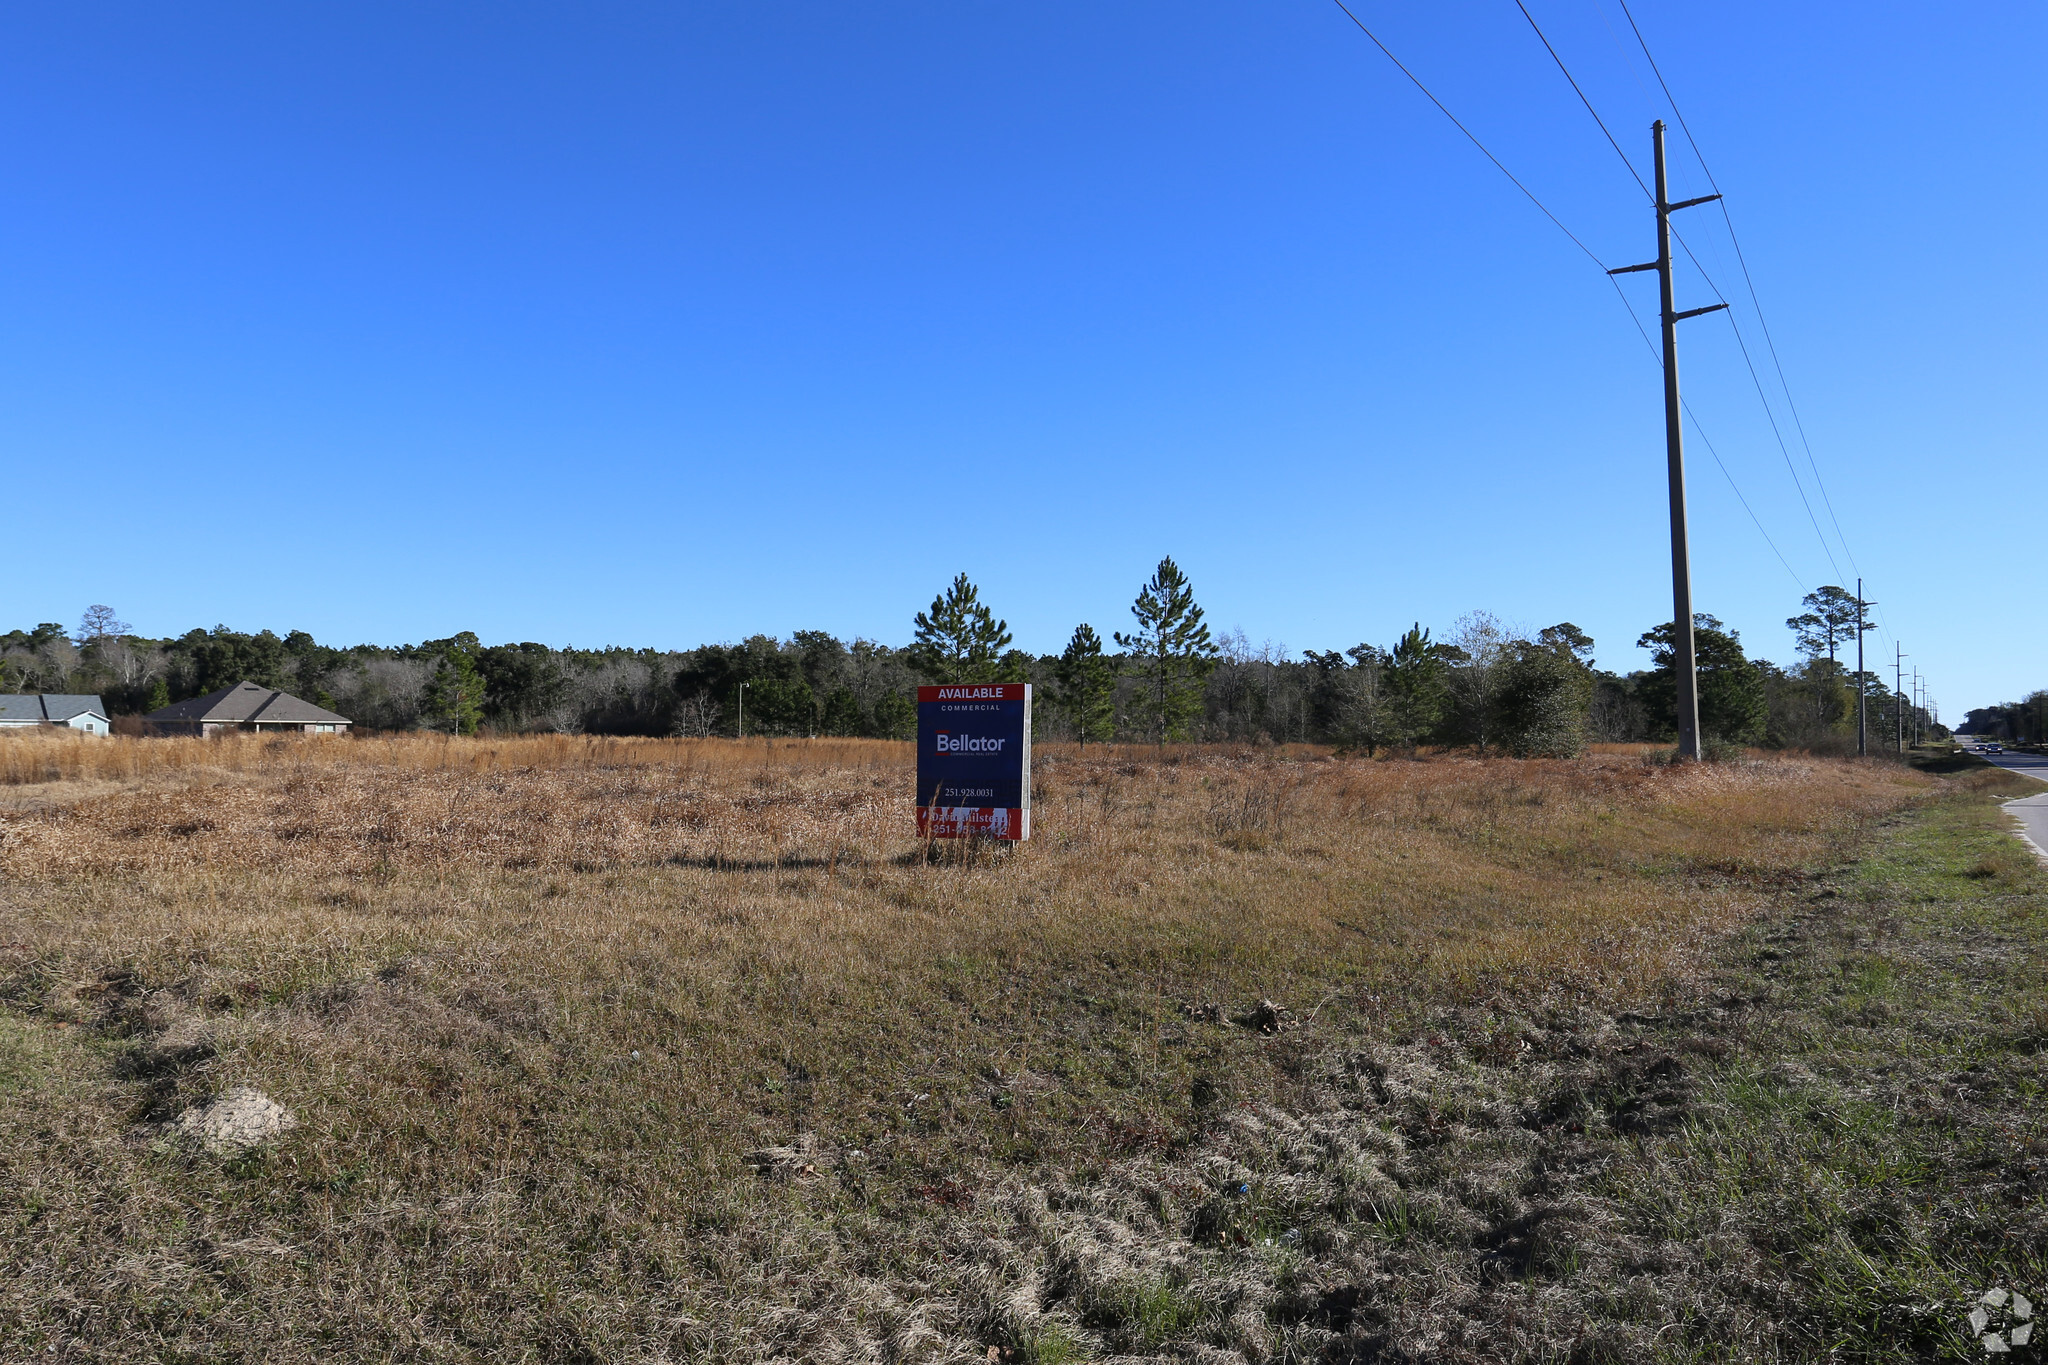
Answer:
(659, 324)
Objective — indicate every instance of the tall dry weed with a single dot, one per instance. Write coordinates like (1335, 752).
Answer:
(1508, 866)
(55, 755)
(658, 1049)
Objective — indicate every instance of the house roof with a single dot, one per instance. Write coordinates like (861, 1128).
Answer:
(51, 706)
(65, 705)
(247, 701)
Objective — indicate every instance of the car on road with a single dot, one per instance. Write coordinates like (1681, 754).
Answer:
(1990, 748)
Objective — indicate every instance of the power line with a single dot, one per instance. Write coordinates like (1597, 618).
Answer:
(1583, 100)
(1721, 297)
(1469, 135)
(1772, 417)
(1799, 424)
(1777, 434)
(1649, 100)
(1755, 378)
(1590, 254)
(1701, 432)
(1743, 262)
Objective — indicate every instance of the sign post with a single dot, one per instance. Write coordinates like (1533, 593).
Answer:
(974, 761)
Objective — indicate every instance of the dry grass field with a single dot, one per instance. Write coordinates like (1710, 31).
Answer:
(637, 1050)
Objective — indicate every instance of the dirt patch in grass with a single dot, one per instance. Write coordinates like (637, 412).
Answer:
(672, 1051)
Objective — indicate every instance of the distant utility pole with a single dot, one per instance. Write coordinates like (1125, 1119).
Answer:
(1862, 683)
(1674, 450)
(1899, 693)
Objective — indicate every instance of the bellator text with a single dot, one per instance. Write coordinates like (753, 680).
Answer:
(970, 744)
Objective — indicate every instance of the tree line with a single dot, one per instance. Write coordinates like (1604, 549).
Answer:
(1483, 684)
(2022, 722)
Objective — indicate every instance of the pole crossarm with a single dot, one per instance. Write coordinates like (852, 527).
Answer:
(1630, 269)
(1695, 312)
(1689, 203)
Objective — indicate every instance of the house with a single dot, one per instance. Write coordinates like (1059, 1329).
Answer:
(77, 711)
(245, 706)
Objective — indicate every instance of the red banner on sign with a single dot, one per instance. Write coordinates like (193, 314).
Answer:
(974, 692)
(971, 822)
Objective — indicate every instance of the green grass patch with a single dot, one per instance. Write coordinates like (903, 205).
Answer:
(1876, 1170)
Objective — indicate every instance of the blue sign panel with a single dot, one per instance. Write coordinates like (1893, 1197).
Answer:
(974, 761)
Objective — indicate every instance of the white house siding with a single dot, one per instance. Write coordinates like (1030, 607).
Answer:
(92, 725)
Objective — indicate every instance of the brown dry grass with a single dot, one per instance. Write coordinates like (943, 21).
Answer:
(542, 1004)
(52, 755)
(1493, 872)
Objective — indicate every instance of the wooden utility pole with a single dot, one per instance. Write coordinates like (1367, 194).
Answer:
(1862, 683)
(1898, 693)
(1674, 450)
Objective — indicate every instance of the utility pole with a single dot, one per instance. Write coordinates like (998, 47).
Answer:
(1899, 693)
(1674, 450)
(743, 710)
(1862, 684)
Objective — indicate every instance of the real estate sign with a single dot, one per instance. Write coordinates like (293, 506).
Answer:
(974, 761)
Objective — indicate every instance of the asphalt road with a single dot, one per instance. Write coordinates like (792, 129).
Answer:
(2030, 811)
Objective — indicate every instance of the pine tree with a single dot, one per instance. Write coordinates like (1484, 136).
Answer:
(959, 640)
(159, 696)
(1732, 702)
(1087, 685)
(1829, 621)
(1567, 641)
(1418, 686)
(455, 692)
(1171, 649)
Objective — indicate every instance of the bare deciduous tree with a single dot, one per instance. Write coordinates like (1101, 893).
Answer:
(698, 716)
(100, 623)
(1485, 643)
